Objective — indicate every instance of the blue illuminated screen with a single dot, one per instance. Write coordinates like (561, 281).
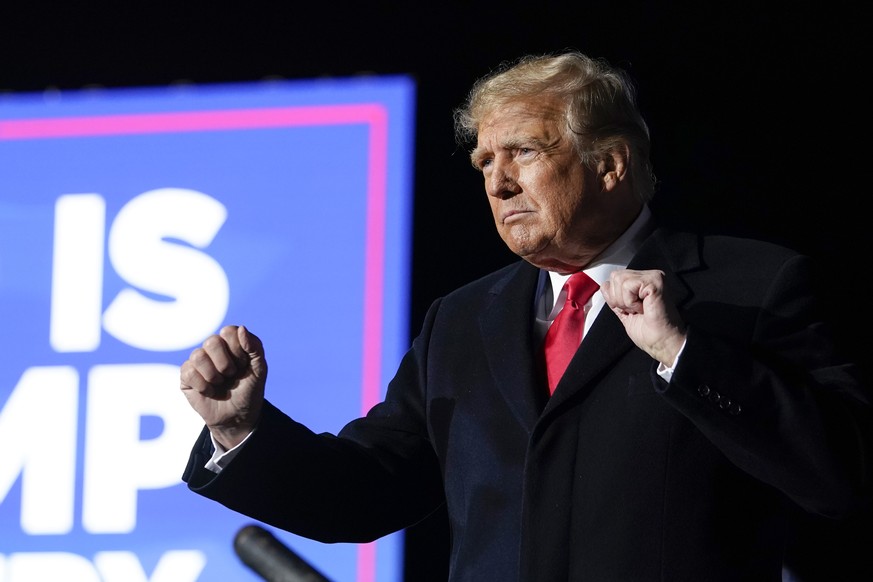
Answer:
(136, 222)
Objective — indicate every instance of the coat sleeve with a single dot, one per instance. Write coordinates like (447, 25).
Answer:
(378, 475)
(782, 404)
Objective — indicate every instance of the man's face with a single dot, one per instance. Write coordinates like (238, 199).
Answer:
(547, 205)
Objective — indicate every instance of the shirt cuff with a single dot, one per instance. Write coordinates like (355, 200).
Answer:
(666, 372)
(222, 457)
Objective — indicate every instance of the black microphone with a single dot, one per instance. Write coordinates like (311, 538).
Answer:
(271, 559)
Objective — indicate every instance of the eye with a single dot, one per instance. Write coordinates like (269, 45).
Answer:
(483, 163)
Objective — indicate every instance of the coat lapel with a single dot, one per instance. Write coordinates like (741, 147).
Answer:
(507, 335)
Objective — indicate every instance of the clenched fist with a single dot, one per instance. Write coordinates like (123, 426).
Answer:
(651, 320)
(224, 380)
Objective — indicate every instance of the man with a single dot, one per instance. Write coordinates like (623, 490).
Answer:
(704, 408)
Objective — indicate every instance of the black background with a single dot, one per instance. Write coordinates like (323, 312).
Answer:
(758, 113)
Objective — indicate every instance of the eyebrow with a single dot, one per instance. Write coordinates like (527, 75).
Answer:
(510, 144)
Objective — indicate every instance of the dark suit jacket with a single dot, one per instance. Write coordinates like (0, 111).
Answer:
(617, 477)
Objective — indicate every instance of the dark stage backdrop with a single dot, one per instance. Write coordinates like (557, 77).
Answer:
(757, 109)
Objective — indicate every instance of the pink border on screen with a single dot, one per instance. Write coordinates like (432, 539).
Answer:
(371, 114)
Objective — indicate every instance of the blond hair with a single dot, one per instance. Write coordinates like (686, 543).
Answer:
(600, 103)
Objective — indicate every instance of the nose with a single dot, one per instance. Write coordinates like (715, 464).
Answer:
(502, 180)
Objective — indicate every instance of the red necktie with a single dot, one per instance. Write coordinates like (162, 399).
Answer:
(565, 333)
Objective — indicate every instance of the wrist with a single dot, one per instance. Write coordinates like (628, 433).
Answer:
(230, 437)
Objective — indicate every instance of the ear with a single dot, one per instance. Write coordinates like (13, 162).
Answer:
(612, 167)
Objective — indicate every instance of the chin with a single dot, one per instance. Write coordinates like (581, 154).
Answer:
(524, 246)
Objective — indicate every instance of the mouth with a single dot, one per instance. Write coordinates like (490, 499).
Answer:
(513, 215)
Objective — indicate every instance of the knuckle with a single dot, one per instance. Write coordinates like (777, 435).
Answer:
(198, 356)
(212, 342)
(228, 331)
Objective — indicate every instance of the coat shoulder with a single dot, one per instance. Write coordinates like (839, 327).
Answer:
(494, 282)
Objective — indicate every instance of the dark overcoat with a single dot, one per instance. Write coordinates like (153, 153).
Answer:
(619, 476)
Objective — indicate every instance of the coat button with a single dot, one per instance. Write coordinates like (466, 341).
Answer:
(735, 408)
(703, 390)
